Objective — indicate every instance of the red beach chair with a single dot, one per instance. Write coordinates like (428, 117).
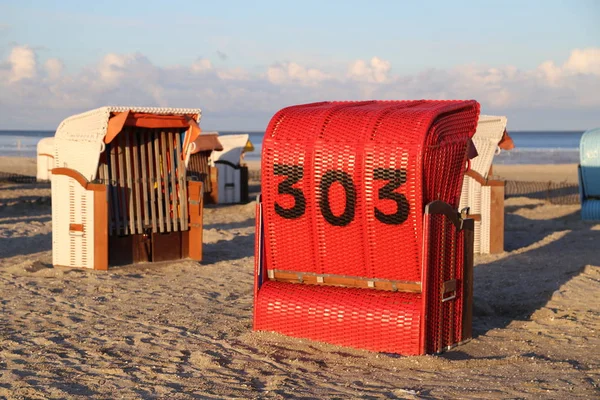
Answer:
(358, 239)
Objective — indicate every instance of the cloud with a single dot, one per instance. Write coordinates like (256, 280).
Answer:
(23, 63)
(202, 65)
(295, 74)
(54, 68)
(376, 70)
(584, 61)
(237, 98)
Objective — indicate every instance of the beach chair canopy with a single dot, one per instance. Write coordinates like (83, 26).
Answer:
(234, 146)
(345, 188)
(208, 141)
(80, 139)
(490, 131)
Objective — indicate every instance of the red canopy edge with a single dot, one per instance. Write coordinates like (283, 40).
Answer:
(145, 120)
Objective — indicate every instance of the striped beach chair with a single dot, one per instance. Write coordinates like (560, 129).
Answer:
(484, 196)
(359, 241)
(589, 174)
(120, 192)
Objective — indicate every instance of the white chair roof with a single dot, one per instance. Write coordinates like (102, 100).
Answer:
(490, 130)
(80, 138)
(46, 146)
(233, 148)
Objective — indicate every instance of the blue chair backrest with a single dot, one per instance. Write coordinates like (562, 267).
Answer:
(589, 153)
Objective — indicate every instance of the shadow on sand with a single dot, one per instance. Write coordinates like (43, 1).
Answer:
(514, 287)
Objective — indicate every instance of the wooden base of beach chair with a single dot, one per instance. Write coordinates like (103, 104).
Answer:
(87, 243)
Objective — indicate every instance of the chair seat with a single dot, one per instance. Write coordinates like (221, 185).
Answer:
(370, 319)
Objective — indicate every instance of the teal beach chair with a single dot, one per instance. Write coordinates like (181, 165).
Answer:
(589, 174)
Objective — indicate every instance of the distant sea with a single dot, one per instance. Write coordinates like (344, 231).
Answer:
(532, 147)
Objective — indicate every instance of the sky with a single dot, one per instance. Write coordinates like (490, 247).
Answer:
(537, 62)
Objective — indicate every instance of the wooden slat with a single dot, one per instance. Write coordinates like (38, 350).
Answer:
(195, 211)
(159, 184)
(165, 178)
(129, 179)
(152, 179)
(105, 180)
(475, 217)
(100, 226)
(344, 281)
(172, 166)
(114, 205)
(105, 169)
(122, 185)
(143, 142)
(135, 149)
(181, 172)
(101, 176)
(497, 219)
(214, 180)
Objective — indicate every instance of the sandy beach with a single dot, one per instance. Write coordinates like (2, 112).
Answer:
(182, 330)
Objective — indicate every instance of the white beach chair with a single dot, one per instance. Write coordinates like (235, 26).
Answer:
(45, 159)
(232, 172)
(483, 196)
(119, 188)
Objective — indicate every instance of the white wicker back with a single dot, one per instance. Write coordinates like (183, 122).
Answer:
(229, 177)
(490, 130)
(229, 184)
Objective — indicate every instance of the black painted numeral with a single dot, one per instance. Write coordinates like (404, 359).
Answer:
(396, 178)
(293, 173)
(328, 179)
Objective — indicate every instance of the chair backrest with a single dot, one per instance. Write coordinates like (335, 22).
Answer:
(146, 178)
(345, 183)
(589, 153)
(140, 154)
(233, 148)
(490, 130)
(487, 136)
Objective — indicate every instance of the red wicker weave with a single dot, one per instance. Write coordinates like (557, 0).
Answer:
(345, 188)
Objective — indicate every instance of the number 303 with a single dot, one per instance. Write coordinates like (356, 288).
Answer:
(295, 173)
